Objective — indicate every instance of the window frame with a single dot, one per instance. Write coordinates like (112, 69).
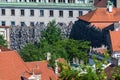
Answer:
(32, 13)
(51, 13)
(80, 13)
(22, 12)
(3, 12)
(12, 23)
(61, 13)
(3, 23)
(32, 23)
(12, 12)
(70, 13)
(41, 13)
(22, 23)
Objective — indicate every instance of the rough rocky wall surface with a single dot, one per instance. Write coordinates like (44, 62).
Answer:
(21, 35)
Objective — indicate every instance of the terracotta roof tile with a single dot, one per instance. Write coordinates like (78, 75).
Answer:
(102, 15)
(115, 40)
(46, 73)
(101, 25)
(11, 66)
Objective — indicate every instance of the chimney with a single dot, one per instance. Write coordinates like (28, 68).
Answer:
(48, 56)
(33, 72)
(110, 8)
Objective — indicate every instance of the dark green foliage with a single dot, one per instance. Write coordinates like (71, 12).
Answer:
(116, 73)
(3, 42)
(82, 31)
(30, 52)
(74, 48)
(52, 42)
(52, 33)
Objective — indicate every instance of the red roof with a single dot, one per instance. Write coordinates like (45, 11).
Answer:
(115, 40)
(102, 15)
(11, 66)
(101, 25)
(42, 68)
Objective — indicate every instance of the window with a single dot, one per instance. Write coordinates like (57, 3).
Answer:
(41, 12)
(12, 12)
(70, 13)
(3, 11)
(51, 13)
(22, 12)
(22, 23)
(41, 23)
(90, 1)
(31, 12)
(61, 1)
(71, 1)
(32, 0)
(60, 13)
(3, 23)
(81, 1)
(12, 23)
(80, 13)
(53, 1)
(31, 23)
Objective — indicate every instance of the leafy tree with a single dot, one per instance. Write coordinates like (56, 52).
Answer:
(30, 52)
(52, 33)
(74, 48)
(96, 73)
(116, 73)
(82, 30)
(51, 41)
(3, 42)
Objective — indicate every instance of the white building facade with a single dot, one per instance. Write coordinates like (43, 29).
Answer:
(30, 12)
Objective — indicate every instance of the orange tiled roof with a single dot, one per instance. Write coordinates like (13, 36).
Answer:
(46, 73)
(11, 66)
(102, 15)
(115, 40)
(100, 3)
(101, 25)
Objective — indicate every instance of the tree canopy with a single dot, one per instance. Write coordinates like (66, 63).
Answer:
(51, 41)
